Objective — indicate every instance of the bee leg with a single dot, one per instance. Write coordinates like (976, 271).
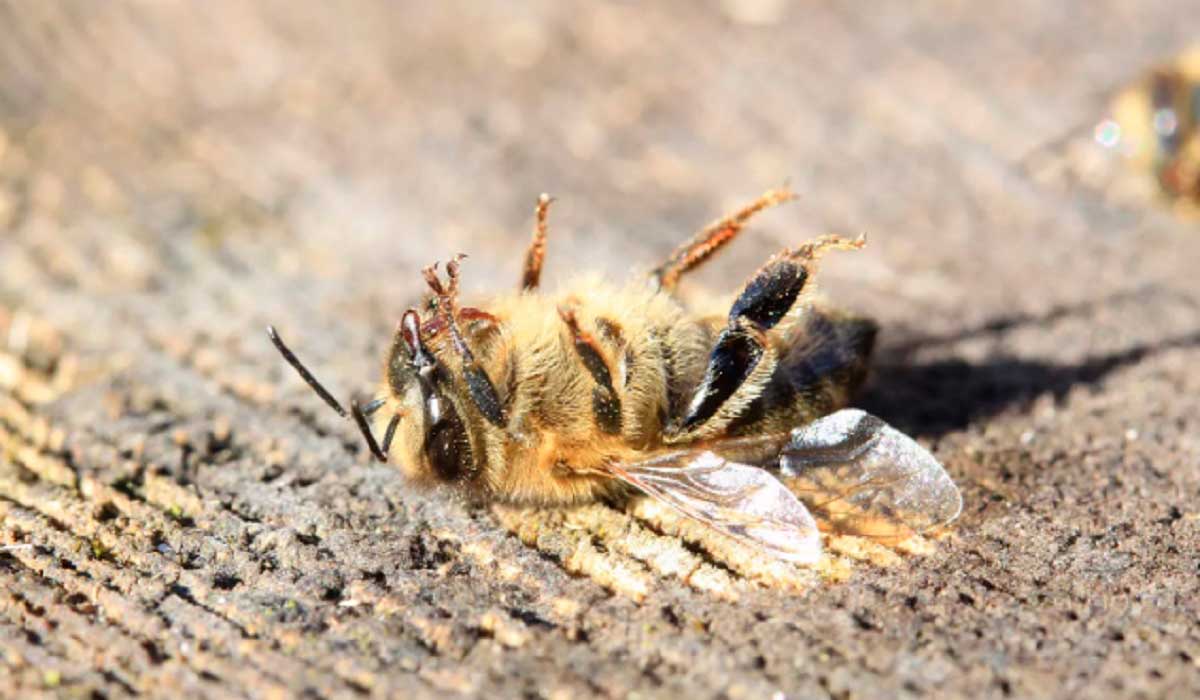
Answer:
(708, 241)
(743, 358)
(536, 253)
(479, 386)
(740, 364)
(606, 405)
(468, 314)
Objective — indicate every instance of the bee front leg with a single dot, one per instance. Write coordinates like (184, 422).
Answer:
(479, 386)
(743, 358)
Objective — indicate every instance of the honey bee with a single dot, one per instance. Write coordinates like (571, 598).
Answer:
(1156, 125)
(604, 391)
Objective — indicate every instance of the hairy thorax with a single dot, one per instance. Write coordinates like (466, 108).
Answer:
(597, 389)
(598, 375)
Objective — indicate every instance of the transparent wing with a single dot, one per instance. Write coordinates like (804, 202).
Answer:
(864, 477)
(742, 501)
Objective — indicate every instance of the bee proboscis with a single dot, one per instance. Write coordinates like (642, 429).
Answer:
(601, 391)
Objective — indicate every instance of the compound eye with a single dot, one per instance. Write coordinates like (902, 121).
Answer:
(447, 446)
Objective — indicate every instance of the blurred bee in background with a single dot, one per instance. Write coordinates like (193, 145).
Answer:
(602, 391)
(1155, 123)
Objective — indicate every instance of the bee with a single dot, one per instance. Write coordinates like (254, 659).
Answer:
(603, 391)
(1155, 123)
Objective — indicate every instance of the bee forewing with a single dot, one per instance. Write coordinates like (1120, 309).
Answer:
(742, 501)
(867, 478)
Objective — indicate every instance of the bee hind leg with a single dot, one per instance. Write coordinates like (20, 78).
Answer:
(743, 359)
(712, 238)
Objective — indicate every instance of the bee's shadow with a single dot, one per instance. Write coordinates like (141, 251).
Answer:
(945, 395)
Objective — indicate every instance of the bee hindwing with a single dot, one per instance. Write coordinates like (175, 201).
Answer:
(864, 477)
(740, 500)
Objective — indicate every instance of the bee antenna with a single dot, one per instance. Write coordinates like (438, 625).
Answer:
(360, 419)
(303, 372)
(357, 412)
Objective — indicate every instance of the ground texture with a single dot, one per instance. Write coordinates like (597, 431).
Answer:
(179, 514)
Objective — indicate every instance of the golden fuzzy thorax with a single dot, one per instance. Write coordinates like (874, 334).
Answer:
(551, 444)
(551, 440)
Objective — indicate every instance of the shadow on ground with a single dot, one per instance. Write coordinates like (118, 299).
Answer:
(936, 397)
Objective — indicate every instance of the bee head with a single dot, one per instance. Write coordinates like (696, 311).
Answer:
(432, 440)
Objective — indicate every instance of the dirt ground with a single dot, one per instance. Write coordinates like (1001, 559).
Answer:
(180, 516)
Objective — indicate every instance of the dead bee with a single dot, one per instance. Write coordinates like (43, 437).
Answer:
(1156, 125)
(603, 390)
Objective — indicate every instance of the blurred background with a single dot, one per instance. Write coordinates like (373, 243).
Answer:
(304, 139)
